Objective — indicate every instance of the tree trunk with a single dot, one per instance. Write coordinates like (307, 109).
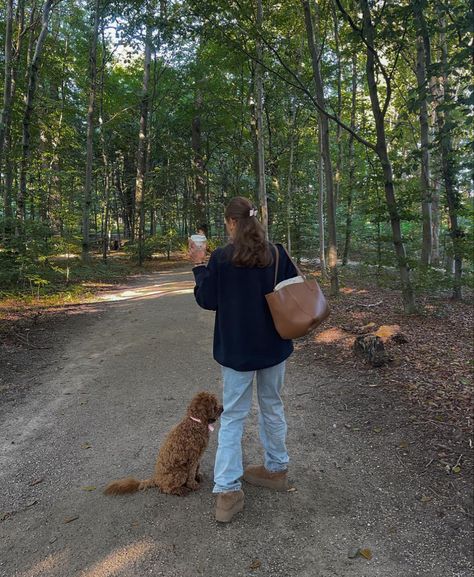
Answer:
(86, 207)
(142, 142)
(5, 117)
(322, 235)
(7, 62)
(8, 192)
(262, 192)
(430, 78)
(28, 112)
(338, 175)
(448, 166)
(198, 163)
(347, 241)
(314, 49)
(151, 123)
(382, 153)
(289, 184)
(105, 157)
(425, 176)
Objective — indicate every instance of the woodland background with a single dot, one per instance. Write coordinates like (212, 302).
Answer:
(348, 122)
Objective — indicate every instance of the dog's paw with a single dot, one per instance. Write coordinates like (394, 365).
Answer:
(193, 486)
(198, 478)
(180, 491)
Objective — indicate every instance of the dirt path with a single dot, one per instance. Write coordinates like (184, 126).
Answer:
(118, 379)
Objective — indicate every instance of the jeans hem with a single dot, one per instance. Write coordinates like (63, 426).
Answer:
(277, 469)
(216, 491)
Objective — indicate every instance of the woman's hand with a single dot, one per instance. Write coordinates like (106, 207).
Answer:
(197, 254)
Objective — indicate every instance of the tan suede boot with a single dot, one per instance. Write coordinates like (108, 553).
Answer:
(258, 475)
(228, 504)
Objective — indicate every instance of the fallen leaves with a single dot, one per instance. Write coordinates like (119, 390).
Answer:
(433, 378)
(7, 515)
(255, 564)
(70, 519)
(360, 552)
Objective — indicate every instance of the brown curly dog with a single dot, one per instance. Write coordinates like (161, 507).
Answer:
(177, 464)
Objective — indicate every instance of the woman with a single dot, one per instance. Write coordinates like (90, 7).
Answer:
(234, 283)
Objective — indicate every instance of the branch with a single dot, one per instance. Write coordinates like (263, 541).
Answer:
(299, 85)
(360, 32)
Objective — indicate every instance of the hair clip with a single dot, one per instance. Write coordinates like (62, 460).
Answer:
(253, 212)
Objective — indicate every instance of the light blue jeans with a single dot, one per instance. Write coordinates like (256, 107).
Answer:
(237, 402)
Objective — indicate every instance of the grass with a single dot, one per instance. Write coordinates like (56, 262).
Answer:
(62, 281)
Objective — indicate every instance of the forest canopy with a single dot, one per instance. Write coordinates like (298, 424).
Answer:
(348, 123)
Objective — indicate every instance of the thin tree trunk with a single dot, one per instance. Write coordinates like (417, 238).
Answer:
(198, 162)
(55, 165)
(425, 175)
(142, 142)
(430, 78)
(314, 49)
(7, 84)
(6, 111)
(151, 123)
(448, 167)
(322, 235)
(8, 193)
(86, 208)
(338, 175)
(116, 209)
(289, 184)
(105, 158)
(262, 192)
(382, 153)
(28, 113)
(350, 192)
(253, 126)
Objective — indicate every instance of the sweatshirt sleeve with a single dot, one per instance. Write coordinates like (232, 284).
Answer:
(205, 291)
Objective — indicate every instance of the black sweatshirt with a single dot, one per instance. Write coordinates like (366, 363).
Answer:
(245, 338)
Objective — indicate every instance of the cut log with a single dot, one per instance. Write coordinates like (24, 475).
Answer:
(372, 349)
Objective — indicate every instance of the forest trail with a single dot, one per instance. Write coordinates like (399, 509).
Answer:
(120, 379)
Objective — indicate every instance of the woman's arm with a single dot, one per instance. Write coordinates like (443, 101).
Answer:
(205, 291)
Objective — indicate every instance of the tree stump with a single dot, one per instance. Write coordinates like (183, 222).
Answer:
(372, 349)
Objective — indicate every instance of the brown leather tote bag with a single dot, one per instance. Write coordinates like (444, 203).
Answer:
(297, 308)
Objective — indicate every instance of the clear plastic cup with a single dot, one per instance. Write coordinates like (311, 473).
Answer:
(199, 240)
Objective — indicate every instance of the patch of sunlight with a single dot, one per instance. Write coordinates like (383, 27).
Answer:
(331, 335)
(174, 272)
(65, 256)
(349, 290)
(118, 560)
(387, 331)
(49, 566)
(97, 284)
(156, 290)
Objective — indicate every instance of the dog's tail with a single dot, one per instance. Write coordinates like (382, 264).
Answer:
(128, 485)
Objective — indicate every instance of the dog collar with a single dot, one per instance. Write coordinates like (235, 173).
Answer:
(209, 426)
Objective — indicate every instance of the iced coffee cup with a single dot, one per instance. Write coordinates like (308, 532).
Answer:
(199, 241)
